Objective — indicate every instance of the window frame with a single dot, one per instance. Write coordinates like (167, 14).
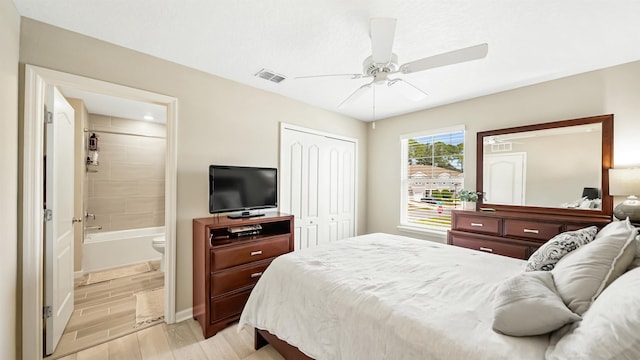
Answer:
(404, 177)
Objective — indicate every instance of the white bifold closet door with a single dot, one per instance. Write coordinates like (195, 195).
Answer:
(317, 186)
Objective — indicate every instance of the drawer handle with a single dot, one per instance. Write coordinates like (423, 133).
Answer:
(533, 231)
(477, 224)
(255, 275)
(486, 249)
(254, 253)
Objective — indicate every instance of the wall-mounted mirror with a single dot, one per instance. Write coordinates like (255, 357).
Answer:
(558, 167)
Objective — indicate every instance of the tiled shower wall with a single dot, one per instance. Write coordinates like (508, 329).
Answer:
(126, 189)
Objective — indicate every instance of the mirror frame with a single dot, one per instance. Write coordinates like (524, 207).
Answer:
(607, 161)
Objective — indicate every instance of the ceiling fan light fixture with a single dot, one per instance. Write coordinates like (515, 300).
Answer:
(489, 140)
(370, 68)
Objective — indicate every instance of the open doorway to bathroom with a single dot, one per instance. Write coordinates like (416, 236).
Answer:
(119, 247)
(127, 207)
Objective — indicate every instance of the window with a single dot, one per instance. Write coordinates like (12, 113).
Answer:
(432, 175)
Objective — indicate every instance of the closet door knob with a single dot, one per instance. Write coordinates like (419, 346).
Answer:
(76, 220)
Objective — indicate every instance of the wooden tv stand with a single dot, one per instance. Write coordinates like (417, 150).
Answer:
(227, 266)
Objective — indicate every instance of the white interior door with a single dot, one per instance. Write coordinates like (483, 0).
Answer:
(317, 186)
(59, 205)
(341, 199)
(504, 179)
(301, 183)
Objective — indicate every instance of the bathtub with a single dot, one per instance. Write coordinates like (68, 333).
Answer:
(105, 250)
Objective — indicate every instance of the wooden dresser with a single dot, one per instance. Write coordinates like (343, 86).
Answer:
(227, 266)
(511, 233)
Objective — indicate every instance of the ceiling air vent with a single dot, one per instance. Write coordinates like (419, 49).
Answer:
(501, 147)
(270, 75)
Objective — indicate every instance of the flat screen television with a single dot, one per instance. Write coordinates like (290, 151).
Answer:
(242, 189)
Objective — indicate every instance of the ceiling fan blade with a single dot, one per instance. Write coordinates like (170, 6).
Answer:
(382, 33)
(350, 76)
(355, 95)
(448, 58)
(407, 89)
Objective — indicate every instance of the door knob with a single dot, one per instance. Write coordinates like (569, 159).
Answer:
(76, 220)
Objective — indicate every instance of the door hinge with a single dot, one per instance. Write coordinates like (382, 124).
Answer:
(48, 117)
(48, 214)
(47, 312)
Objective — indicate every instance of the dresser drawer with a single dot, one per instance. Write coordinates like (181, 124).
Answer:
(228, 306)
(478, 224)
(531, 229)
(237, 278)
(492, 247)
(239, 254)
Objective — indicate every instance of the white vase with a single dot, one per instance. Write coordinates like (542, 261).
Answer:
(468, 205)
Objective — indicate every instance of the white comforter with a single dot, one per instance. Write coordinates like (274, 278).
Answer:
(382, 296)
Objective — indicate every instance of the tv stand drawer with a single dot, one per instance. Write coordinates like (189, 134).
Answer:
(233, 279)
(239, 253)
(228, 306)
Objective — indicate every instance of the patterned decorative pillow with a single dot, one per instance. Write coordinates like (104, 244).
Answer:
(546, 257)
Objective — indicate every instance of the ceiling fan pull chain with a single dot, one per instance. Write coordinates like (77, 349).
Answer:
(374, 103)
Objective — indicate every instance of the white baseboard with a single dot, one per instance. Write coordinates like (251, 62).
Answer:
(184, 315)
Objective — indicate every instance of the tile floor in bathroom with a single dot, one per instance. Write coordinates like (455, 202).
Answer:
(106, 310)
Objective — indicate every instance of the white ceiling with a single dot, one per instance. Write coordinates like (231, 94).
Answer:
(113, 106)
(530, 41)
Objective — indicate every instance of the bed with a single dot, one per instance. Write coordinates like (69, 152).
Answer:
(382, 296)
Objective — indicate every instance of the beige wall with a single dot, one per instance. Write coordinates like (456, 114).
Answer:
(611, 90)
(126, 186)
(220, 121)
(9, 50)
(80, 122)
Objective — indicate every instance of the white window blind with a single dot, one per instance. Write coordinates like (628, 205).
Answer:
(432, 176)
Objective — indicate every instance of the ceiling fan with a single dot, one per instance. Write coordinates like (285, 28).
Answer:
(491, 140)
(383, 62)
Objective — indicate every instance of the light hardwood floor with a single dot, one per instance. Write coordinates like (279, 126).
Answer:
(181, 341)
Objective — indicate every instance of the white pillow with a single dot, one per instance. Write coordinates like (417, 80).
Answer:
(527, 304)
(546, 257)
(609, 329)
(582, 274)
(636, 261)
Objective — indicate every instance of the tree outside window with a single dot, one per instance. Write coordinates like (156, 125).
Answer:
(432, 176)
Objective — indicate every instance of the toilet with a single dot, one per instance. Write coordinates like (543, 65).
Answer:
(158, 245)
